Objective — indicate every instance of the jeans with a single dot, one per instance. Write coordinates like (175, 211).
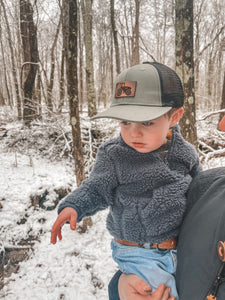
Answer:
(113, 286)
(152, 265)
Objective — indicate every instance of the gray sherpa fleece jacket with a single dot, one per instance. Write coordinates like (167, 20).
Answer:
(146, 196)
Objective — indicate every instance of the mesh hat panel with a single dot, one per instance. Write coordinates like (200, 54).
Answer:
(171, 86)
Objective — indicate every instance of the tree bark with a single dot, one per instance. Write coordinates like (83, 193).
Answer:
(50, 82)
(185, 66)
(30, 53)
(86, 6)
(115, 39)
(71, 71)
(222, 106)
(16, 84)
(9, 100)
(136, 56)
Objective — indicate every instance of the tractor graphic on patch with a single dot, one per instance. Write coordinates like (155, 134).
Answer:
(125, 89)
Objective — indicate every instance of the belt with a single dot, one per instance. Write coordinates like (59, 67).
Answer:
(169, 244)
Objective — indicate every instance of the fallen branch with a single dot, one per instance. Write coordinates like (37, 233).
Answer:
(216, 153)
(202, 118)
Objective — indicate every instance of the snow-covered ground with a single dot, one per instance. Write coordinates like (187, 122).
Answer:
(77, 268)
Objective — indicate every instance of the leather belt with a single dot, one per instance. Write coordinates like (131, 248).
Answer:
(169, 244)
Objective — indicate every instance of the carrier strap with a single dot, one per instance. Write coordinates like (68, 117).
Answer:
(216, 284)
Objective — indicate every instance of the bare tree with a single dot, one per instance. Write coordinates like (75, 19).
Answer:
(5, 79)
(30, 53)
(71, 71)
(222, 105)
(185, 66)
(14, 70)
(135, 52)
(50, 81)
(86, 6)
(115, 39)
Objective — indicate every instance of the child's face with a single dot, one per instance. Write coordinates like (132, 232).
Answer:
(146, 137)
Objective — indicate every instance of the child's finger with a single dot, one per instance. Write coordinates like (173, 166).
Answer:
(60, 234)
(56, 231)
(73, 222)
(53, 238)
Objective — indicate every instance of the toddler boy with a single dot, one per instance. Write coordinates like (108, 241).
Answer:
(142, 175)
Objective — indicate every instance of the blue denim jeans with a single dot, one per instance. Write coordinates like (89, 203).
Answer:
(152, 265)
(113, 286)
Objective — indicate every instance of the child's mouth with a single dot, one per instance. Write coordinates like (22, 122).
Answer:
(138, 145)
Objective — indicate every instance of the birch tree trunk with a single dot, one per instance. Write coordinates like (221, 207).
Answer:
(185, 66)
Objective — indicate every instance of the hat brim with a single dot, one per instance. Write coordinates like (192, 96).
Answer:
(133, 113)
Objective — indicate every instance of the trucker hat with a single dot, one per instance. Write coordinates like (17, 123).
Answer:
(143, 93)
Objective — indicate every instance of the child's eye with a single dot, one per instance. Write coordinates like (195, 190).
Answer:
(147, 123)
(125, 122)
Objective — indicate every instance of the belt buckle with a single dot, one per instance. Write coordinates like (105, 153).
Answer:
(157, 247)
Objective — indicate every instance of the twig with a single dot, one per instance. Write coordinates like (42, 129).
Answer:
(216, 153)
(206, 146)
(202, 118)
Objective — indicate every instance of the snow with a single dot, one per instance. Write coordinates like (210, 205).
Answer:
(78, 267)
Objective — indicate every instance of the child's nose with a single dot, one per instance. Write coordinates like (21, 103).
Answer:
(136, 130)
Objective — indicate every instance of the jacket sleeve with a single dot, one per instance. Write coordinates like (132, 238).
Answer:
(96, 192)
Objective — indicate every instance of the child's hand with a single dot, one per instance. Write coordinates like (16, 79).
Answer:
(68, 214)
(222, 124)
(132, 287)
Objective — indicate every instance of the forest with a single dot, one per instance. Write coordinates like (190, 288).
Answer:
(60, 57)
(58, 62)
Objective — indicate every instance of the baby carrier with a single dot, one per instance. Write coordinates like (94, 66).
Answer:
(201, 247)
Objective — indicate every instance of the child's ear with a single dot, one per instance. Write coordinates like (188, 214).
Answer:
(176, 116)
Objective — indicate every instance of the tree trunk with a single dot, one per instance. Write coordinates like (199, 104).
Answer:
(30, 53)
(9, 100)
(81, 62)
(52, 72)
(71, 66)
(38, 92)
(136, 56)
(65, 29)
(185, 66)
(16, 84)
(222, 106)
(71, 71)
(114, 31)
(86, 6)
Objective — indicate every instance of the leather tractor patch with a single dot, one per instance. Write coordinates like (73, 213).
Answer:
(125, 89)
